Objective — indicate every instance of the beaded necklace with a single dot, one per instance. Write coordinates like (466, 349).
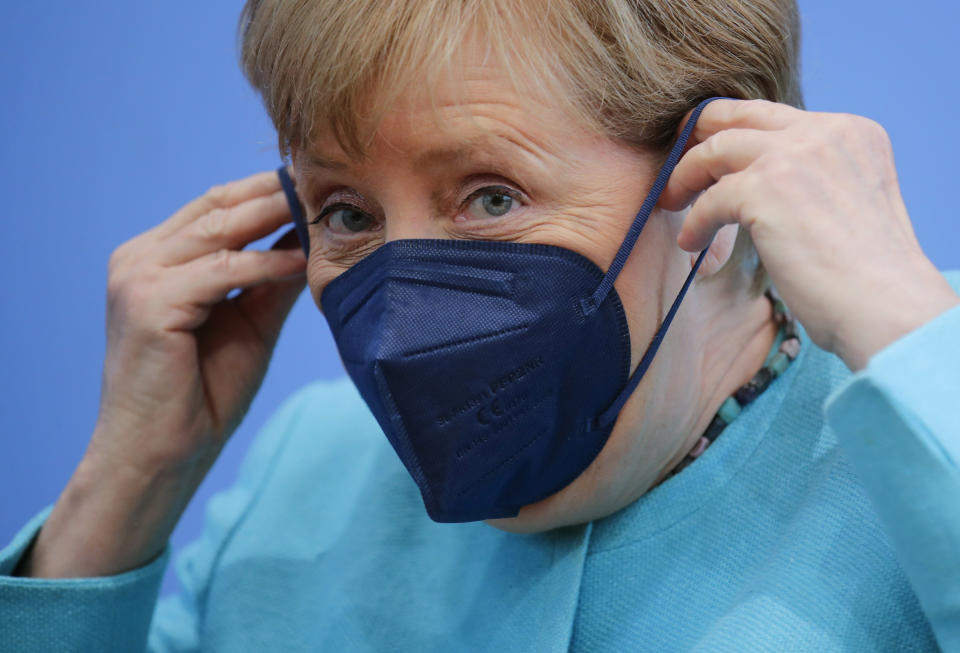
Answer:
(785, 349)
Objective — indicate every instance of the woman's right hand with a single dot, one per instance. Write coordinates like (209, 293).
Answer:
(183, 363)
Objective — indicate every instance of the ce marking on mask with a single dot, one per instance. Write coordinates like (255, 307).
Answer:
(494, 406)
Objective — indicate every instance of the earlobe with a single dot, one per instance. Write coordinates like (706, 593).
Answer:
(719, 253)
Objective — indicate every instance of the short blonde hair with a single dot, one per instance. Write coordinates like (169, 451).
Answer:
(630, 69)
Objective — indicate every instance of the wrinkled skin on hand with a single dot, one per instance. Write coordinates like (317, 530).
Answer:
(818, 193)
(184, 360)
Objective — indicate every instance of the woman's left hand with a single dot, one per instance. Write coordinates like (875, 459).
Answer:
(819, 195)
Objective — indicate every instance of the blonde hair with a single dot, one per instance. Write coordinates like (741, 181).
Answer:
(630, 69)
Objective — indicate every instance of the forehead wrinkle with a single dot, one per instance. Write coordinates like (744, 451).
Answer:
(502, 132)
(508, 135)
(535, 153)
(494, 153)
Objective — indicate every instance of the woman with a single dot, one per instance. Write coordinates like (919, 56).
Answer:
(603, 470)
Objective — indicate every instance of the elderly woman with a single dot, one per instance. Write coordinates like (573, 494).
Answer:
(578, 416)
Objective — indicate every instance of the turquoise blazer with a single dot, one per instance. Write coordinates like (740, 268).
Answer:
(826, 517)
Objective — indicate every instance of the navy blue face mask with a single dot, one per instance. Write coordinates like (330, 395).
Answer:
(496, 369)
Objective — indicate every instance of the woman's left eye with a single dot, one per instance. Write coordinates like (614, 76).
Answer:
(491, 203)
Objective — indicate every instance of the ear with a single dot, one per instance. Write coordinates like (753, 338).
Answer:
(721, 249)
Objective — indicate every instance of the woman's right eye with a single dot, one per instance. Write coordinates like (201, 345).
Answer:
(345, 220)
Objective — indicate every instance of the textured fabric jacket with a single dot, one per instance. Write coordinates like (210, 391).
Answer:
(825, 518)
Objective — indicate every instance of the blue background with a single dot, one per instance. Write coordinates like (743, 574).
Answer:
(115, 114)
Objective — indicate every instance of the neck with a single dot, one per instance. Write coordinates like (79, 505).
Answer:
(734, 331)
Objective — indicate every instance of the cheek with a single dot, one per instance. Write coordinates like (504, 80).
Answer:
(320, 272)
(595, 213)
(593, 232)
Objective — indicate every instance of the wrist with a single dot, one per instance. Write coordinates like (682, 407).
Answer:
(109, 519)
(891, 317)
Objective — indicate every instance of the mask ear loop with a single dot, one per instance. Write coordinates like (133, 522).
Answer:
(590, 304)
(296, 210)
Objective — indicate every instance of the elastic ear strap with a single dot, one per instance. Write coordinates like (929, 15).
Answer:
(640, 220)
(611, 413)
(299, 224)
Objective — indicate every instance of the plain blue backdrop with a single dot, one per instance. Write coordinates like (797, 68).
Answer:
(115, 114)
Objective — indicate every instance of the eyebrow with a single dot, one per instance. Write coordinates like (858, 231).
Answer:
(314, 160)
(481, 148)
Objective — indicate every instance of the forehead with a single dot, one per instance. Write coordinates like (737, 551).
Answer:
(475, 107)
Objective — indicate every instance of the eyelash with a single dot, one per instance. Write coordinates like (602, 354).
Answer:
(491, 190)
(480, 192)
(336, 206)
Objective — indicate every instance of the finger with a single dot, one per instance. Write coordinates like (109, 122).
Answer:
(230, 194)
(288, 241)
(222, 196)
(724, 153)
(743, 114)
(264, 308)
(726, 202)
(209, 279)
(230, 228)
(240, 334)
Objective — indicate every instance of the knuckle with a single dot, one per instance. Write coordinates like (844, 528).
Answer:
(223, 260)
(115, 285)
(704, 153)
(839, 123)
(709, 194)
(856, 123)
(755, 104)
(134, 292)
(749, 187)
(876, 131)
(713, 147)
(752, 185)
(772, 166)
(215, 223)
(116, 260)
(118, 268)
(850, 127)
(706, 204)
(745, 110)
(136, 295)
(218, 194)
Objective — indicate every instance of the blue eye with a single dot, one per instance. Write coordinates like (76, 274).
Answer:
(345, 219)
(490, 203)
